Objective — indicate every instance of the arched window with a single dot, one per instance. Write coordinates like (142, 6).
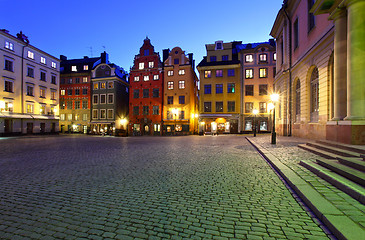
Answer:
(314, 96)
(297, 101)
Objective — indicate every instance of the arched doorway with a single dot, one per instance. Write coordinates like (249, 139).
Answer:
(146, 129)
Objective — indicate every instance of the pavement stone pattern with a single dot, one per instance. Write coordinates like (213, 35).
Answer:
(287, 151)
(192, 187)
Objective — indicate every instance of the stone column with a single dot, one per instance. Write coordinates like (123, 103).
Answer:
(340, 64)
(355, 60)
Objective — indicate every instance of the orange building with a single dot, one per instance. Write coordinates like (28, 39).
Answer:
(180, 111)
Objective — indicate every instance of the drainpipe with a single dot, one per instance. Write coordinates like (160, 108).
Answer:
(285, 5)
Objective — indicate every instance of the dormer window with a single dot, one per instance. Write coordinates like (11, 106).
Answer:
(86, 67)
(219, 45)
(73, 68)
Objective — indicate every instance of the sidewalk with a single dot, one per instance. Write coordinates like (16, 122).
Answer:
(344, 216)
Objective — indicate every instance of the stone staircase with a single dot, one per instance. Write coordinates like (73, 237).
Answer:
(341, 165)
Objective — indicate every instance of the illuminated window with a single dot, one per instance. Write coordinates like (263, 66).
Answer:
(53, 94)
(30, 55)
(43, 60)
(182, 72)
(42, 93)
(102, 85)
(248, 107)
(249, 58)
(170, 73)
(207, 74)
(73, 68)
(136, 79)
(274, 56)
(84, 79)
(219, 73)
(263, 72)
(170, 85)
(63, 92)
(263, 107)
(9, 45)
(150, 64)
(141, 65)
(42, 108)
(102, 113)
(86, 67)
(30, 107)
(110, 85)
(156, 77)
(231, 88)
(54, 65)
(181, 84)
(263, 57)
(249, 73)
(146, 78)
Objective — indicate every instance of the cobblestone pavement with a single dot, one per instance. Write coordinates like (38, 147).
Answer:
(288, 152)
(194, 187)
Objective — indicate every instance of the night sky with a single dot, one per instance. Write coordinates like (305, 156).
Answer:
(86, 28)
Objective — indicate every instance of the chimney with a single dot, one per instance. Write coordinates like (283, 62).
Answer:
(191, 60)
(86, 57)
(104, 57)
(63, 58)
(248, 45)
(272, 42)
(165, 54)
(22, 37)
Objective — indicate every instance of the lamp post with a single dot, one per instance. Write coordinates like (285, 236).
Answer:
(274, 98)
(255, 112)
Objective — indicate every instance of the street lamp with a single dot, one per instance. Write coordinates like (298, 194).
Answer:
(274, 98)
(255, 112)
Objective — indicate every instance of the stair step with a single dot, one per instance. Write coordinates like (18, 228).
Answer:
(319, 152)
(356, 163)
(335, 150)
(353, 148)
(345, 171)
(353, 189)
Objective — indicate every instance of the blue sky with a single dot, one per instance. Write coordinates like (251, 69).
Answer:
(72, 28)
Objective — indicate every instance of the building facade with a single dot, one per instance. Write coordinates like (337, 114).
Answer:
(258, 64)
(75, 94)
(146, 92)
(220, 89)
(180, 111)
(30, 86)
(110, 98)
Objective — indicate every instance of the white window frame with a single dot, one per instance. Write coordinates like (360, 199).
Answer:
(43, 60)
(62, 117)
(100, 99)
(107, 114)
(170, 73)
(156, 77)
(97, 99)
(141, 65)
(95, 114)
(110, 94)
(249, 58)
(30, 54)
(146, 78)
(84, 117)
(151, 64)
(103, 110)
(74, 68)
(182, 72)
(69, 117)
(9, 45)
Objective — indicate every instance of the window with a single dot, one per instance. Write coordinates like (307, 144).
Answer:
(146, 93)
(30, 72)
(77, 104)
(9, 45)
(219, 73)
(110, 98)
(30, 90)
(141, 65)
(207, 89)
(69, 81)
(248, 107)
(135, 93)
(86, 67)
(63, 92)
(263, 107)
(43, 76)
(169, 115)
(136, 78)
(150, 64)
(77, 80)
(219, 106)
(110, 85)
(42, 108)
(207, 107)
(69, 104)
(85, 104)
(263, 57)
(155, 92)
(102, 113)
(136, 110)
(314, 96)
(170, 85)
(8, 65)
(182, 84)
(53, 79)
(95, 113)
(297, 101)
(73, 68)
(53, 94)
(249, 73)
(176, 61)
(146, 52)
(182, 115)
(95, 99)
(213, 58)
(219, 88)
(42, 92)
(30, 55)
(62, 104)
(69, 117)
(8, 86)
(230, 72)
(110, 114)
(231, 88)
(84, 80)
(170, 100)
(145, 110)
(8, 105)
(62, 117)
(170, 73)
(296, 34)
(311, 19)
(248, 90)
(156, 77)
(69, 92)
(218, 45)
(208, 74)
(274, 71)
(102, 98)
(85, 117)
(181, 99)
(225, 58)
(43, 60)
(102, 85)
(182, 72)
(30, 107)
(249, 58)
(54, 65)
(155, 110)
(146, 78)
(274, 56)
(84, 91)
(262, 89)
(77, 91)
(62, 81)
(263, 72)
(231, 106)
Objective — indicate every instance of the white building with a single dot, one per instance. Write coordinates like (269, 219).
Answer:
(29, 87)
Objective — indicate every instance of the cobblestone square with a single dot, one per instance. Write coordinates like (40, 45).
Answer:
(194, 187)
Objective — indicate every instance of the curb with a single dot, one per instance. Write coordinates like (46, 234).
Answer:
(340, 225)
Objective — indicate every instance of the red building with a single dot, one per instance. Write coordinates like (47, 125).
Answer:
(146, 92)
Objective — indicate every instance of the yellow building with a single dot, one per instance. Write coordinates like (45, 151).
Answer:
(180, 108)
(220, 88)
